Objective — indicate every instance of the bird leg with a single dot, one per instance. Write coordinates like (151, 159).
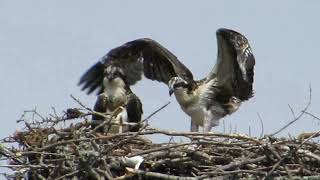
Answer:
(207, 125)
(114, 118)
(119, 110)
(120, 125)
(194, 127)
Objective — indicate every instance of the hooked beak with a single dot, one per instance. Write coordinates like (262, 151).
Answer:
(110, 77)
(171, 91)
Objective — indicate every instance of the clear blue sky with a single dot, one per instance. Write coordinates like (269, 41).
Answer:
(46, 46)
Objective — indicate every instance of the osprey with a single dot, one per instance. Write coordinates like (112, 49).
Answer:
(115, 96)
(207, 100)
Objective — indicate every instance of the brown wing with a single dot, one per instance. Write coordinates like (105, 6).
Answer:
(134, 111)
(100, 106)
(136, 58)
(234, 70)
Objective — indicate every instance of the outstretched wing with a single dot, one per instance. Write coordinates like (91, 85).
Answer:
(136, 58)
(234, 69)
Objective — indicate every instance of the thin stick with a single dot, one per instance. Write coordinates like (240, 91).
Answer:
(155, 175)
(312, 115)
(155, 112)
(262, 126)
(298, 117)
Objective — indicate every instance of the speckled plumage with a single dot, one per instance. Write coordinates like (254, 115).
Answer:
(205, 101)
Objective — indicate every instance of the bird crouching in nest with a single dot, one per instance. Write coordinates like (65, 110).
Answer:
(116, 99)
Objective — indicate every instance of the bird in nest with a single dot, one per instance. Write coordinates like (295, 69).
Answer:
(206, 101)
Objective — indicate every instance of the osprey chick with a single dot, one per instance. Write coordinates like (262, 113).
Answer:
(222, 91)
(205, 101)
(116, 94)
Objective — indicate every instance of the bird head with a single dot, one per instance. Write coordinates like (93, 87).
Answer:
(114, 76)
(237, 45)
(113, 72)
(176, 83)
(235, 100)
(234, 104)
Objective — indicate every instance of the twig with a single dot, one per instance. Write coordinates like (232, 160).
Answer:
(73, 153)
(298, 117)
(125, 140)
(292, 112)
(80, 103)
(280, 160)
(307, 135)
(238, 172)
(262, 127)
(232, 165)
(111, 118)
(312, 115)
(273, 168)
(27, 166)
(209, 134)
(306, 140)
(158, 175)
(309, 154)
(69, 174)
(155, 112)
(160, 149)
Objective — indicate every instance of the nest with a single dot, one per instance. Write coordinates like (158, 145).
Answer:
(68, 148)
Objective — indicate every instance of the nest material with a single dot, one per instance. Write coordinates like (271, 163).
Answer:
(50, 149)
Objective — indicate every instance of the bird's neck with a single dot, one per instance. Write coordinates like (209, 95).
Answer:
(184, 97)
(115, 89)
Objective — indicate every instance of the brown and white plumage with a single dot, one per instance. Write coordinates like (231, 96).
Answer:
(132, 111)
(116, 95)
(205, 101)
(136, 58)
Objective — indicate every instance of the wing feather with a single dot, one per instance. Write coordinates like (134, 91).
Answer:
(93, 78)
(100, 106)
(134, 110)
(234, 69)
(136, 58)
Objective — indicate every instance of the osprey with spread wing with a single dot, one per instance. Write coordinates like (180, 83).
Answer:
(205, 101)
(114, 98)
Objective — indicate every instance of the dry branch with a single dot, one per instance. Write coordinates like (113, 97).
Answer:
(45, 150)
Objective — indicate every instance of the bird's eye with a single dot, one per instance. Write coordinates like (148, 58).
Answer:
(180, 84)
(116, 74)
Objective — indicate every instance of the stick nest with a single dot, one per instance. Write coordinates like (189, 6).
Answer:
(68, 148)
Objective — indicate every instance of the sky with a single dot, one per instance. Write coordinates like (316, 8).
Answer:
(46, 46)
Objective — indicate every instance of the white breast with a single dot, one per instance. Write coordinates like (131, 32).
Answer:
(196, 113)
(116, 93)
(196, 107)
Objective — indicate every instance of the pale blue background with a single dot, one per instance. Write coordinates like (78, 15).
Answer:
(46, 46)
